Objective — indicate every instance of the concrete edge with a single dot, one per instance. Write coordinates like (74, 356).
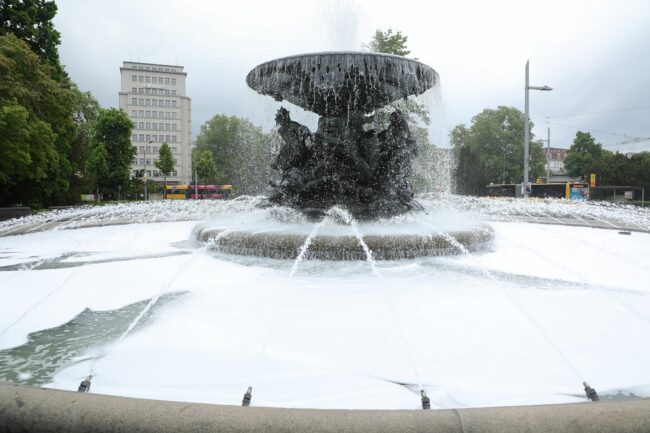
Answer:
(29, 409)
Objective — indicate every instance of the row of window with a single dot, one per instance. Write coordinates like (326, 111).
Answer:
(155, 126)
(154, 102)
(154, 137)
(156, 173)
(153, 80)
(147, 161)
(154, 114)
(154, 92)
(154, 68)
(154, 149)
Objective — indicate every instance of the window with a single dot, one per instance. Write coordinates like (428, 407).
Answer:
(134, 113)
(141, 125)
(141, 161)
(166, 92)
(140, 78)
(140, 90)
(141, 149)
(134, 78)
(167, 103)
(156, 173)
(147, 91)
(147, 79)
(173, 139)
(134, 137)
(154, 102)
(154, 137)
(173, 115)
(141, 113)
(173, 81)
(173, 92)
(134, 101)
(148, 138)
(148, 172)
(154, 114)
(141, 137)
(148, 149)
(167, 138)
(141, 100)
(153, 80)
(167, 126)
(173, 127)
(147, 102)
(174, 173)
(167, 114)
(174, 103)
(155, 149)
(148, 125)
(166, 80)
(155, 126)
(148, 113)
(174, 149)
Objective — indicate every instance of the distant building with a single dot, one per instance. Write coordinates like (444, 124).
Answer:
(155, 99)
(558, 156)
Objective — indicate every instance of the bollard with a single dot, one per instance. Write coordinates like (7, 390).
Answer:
(426, 402)
(591, 392)
(247, 397)
(84, 386)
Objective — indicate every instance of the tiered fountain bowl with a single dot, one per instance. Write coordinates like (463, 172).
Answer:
(358, 161)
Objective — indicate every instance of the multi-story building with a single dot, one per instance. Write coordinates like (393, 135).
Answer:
(556, 160)
(155, 99)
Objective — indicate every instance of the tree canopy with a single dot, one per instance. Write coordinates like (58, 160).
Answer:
(241, 152)
(31, 22)
(389, 43)
(37, 114)
(113, 133)
(495, 150)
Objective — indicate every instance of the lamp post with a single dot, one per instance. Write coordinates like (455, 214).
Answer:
(526, 132)
(145, 170)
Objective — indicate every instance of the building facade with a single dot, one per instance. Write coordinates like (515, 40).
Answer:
(556, 160)
(155, 99)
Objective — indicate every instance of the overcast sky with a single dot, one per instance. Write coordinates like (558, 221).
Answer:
(595, 54)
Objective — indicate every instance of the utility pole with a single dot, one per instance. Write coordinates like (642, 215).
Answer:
(548, 154)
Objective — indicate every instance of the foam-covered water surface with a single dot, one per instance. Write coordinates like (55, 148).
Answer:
(547, 307)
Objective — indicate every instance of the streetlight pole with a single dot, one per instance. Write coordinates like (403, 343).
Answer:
(548, 154)
(145, 170)
(526, 127)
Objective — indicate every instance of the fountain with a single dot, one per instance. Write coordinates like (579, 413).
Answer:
(354, 162)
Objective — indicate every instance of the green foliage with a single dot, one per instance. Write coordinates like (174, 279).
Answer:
(31, 22)
(389, 43)
(38, 115)
(204, 164)
(240, 150)
(165, 161)
(584, 156)
(113, 133)
(496, 150)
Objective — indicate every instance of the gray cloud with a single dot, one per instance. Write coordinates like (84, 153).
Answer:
(593, 53)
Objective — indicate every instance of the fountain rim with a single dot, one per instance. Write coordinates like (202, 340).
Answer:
(346, 52)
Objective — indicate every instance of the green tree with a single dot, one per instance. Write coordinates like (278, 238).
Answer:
(97, 167)
(113, 132)
(495, 142)
(46, 124)
(585, 156)
(389, 42)
(165, 163)
(204, 164)
(31, 22)
(241, 151)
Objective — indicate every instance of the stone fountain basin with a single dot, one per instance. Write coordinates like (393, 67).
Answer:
(335, 83)
(338, 243)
